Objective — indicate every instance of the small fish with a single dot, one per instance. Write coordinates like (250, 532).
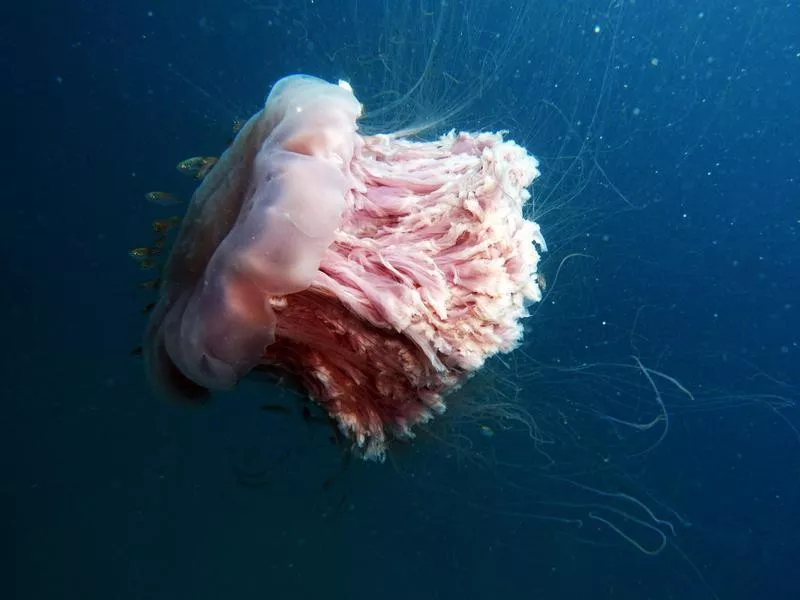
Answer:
(197, 166)
(136, 351)
(149, 308)
(144, 252)
(164, 225)
(159, 241)
(237, 126)
(486, 431)
(150, 284)
(206, 168)
(162, 198)
(540, 281)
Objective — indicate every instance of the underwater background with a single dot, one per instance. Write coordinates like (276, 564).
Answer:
(670, 200)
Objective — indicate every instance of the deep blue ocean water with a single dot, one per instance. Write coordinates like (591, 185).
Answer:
(670, 200)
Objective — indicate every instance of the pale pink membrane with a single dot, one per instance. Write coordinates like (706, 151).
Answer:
(381, 272)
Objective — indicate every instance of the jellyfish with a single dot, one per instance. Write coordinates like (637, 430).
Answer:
(380, 272)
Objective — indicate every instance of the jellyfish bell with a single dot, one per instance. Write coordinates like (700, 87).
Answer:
(381, 272)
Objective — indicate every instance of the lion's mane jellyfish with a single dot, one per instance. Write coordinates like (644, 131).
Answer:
(381, 272)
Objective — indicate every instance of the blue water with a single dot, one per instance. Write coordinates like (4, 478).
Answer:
(668, 135)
